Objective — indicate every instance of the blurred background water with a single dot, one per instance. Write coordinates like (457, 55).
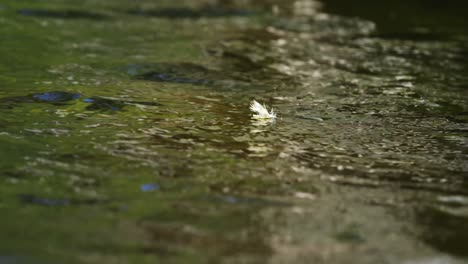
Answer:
(126, 137)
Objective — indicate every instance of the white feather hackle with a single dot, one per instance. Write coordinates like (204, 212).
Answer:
(261, 111)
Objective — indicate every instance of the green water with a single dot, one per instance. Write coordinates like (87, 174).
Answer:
(126, 136)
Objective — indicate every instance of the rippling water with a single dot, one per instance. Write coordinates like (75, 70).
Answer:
(126, 136)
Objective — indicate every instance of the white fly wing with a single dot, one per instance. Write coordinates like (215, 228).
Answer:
(259, 109)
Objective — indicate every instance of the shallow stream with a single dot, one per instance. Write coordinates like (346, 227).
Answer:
(126, 135)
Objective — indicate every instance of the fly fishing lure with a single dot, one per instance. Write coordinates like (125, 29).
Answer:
(261, 111)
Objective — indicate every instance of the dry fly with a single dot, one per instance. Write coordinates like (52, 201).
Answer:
(261, 111)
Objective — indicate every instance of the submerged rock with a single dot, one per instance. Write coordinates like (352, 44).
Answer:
(54, 97)
(62, 14)
(60, 98)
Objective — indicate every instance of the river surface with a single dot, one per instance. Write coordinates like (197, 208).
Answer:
(126, 135)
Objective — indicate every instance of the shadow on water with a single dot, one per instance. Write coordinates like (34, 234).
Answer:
(99, 103)
(445, 231)
(60, 98)
(53, 202)
(189, 13)
(184, 73)
(415, 35)
(238, 70)
(62, 14)
(412, 20)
